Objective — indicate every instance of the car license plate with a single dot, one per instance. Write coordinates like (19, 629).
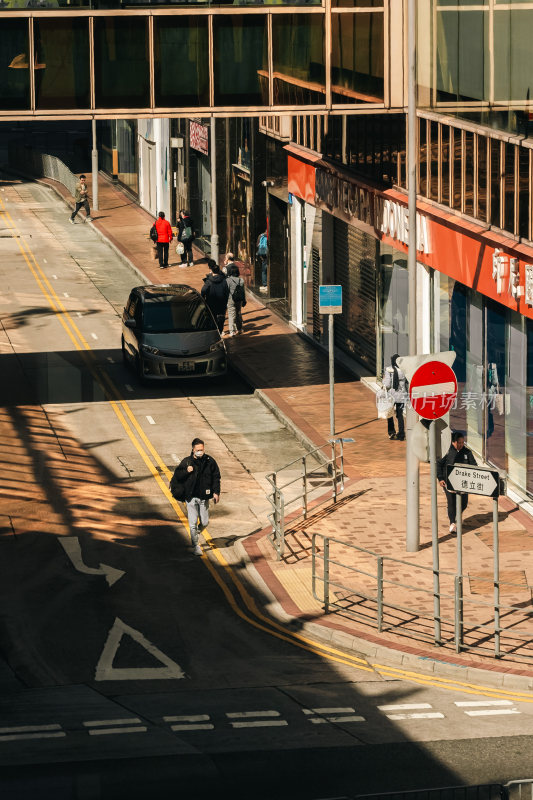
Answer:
(186, 366)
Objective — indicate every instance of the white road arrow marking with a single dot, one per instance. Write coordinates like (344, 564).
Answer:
(105, 671)
(71, 546)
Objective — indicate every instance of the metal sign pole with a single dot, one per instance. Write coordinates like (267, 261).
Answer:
(459, 523)
(435, 530)
(496, 547)
(94, 160)
(331, 378)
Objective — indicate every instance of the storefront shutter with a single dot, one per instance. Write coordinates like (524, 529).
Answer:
(315, 256)
(355, 270)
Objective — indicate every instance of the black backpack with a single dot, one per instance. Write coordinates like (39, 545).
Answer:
(177, 490)
(153, 233)
(238, 293)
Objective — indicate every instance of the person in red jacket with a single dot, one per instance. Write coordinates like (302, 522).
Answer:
(164, 237)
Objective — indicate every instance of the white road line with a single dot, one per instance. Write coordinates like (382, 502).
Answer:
(93, 723)
(94, 335)
(406, 707)
(151, 420)
(260, 723)
(205, 726)
(105, 731)
(488, 712)
(245, 714)
(472, 703)
(347, 710)
(429, 715)
(188, 718)
(129, 388)
(26, 728)
(350, 718)
(19, 736)
(66, 294)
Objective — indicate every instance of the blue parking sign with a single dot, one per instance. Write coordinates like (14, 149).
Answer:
(330, 299)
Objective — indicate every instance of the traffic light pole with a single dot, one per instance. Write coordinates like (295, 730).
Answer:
(412, 473)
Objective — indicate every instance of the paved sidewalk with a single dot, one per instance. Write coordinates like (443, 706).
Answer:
(292, 376)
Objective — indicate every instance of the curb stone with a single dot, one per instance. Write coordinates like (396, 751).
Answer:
(376, 653)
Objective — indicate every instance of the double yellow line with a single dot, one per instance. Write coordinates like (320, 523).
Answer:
(236, 594)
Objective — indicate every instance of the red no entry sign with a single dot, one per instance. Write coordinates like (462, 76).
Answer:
(433, 389)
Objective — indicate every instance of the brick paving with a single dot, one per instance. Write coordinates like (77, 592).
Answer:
(292, 374)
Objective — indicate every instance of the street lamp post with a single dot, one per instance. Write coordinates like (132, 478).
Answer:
(412, 472)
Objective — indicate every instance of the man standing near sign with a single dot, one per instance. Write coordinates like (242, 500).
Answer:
(457, 454)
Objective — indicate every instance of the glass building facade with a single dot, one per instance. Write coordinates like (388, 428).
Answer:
(174, 61)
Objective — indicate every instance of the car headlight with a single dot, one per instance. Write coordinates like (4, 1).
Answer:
(149, 349)
(217, 346)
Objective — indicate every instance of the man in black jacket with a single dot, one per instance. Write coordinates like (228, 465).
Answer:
(215, 292)
(196, 480)
(457, 454)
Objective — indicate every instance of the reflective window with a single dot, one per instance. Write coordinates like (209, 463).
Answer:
(510, 185)
(121, 67)
(495, 175)
(422, 158)
(482, 178)
(14, 64)
(435, 162)
(469, 174)
(298, 57)
(462, 55)
(62, 62)
(445, 164)
(241, 60)
(357, 58)
(357, 3)
(183, 40)
(523, 192)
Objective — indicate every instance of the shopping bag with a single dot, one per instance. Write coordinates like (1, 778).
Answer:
(384, 404)
(180, 248)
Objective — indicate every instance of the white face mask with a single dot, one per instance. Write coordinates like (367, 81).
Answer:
(198, 454)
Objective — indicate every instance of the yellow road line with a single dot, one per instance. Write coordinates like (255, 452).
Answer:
(261, 621)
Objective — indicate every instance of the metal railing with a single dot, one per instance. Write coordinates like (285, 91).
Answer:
(26, 160)
(304, 488)
(513, 790)
(367, 600)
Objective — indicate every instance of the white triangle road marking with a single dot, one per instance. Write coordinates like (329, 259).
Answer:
(105, 671)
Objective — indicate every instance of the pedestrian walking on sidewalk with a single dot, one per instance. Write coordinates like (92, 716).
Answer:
(186, 237)
(215, 292)
(81, 198)
(164, 234)
(262, 254)
(395, 382)
(236, 297)
(457, 454)
(196, 480)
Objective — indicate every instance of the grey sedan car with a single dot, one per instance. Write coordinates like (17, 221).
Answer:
(169, 332)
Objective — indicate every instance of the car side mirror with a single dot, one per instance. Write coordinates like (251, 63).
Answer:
(130, 323)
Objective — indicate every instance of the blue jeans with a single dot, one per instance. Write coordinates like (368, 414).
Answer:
(197, 508)
(263, 270)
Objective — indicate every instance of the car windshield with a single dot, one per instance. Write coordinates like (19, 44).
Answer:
(184, 314)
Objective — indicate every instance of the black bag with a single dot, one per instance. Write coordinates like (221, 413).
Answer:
(153, 233)
(177, 490)
(186, 233)
(238, 294)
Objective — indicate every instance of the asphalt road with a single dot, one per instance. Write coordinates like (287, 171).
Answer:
(132, 668)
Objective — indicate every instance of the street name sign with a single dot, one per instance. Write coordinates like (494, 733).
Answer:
(433, 389)
(330, 299)
(473, 480)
